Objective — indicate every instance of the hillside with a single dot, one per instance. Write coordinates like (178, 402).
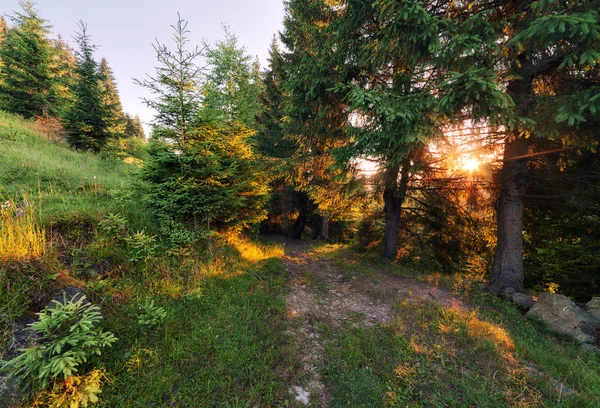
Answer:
(277, 322)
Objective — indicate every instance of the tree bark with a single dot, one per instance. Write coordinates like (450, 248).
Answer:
(324, 230)
(393, 198)
(508, 260)
(299, 225)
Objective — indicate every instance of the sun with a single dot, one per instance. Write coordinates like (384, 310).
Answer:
(471, 164)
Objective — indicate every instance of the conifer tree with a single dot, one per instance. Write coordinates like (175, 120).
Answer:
(133, 127)
(90, 121)
(553, 50)
(3, 28)
(202, 170)
(29, 63)
(233, 85)
(65, 75)
(112, 101)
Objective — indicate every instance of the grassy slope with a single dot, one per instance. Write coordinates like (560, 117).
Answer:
(222, 340)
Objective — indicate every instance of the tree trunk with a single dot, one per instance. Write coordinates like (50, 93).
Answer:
(393, 198)
(324, 230)
(299, 225)
(508, 260)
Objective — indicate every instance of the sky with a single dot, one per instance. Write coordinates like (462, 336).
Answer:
(124, 31)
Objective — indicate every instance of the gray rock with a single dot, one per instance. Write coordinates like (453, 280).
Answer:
(590, 348)
(565, 317)
(67, 294)
(10, 394)
(593, 306)
(523, 301)
(483, 287)
(507, 294)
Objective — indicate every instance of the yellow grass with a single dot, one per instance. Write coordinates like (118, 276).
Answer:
(21, 235)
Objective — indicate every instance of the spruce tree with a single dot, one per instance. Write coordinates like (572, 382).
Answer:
(233, 85)
(202, 170)
(133, 127)
(112, 101)
(29, 64)
(553, 52)
(65, 75)
(90, 121)
(3, 28)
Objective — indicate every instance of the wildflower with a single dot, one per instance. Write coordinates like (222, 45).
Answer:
(6, 204)
(19, 212)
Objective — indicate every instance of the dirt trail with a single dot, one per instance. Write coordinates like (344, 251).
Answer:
(323, 292)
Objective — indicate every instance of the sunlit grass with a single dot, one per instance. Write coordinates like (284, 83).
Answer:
(21, 235)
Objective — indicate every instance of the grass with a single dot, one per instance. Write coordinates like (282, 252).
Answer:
(21, 236)
(433, 355)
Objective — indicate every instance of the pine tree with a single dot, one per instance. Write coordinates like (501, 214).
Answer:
(133, 127)
(403, 86)
(112, 101)
(29, 64)
(202, 170)
(553, 50)
(90, 121)
(233, 85)
(65, 75)
(3, 28)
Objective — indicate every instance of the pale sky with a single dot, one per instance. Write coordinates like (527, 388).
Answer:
(124, 30)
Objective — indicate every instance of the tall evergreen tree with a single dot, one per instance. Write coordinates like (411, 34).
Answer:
(29, 63)
(90, 121)
(553, 50)
(407, 68)
(133, 127)
(233, 85)
(112, 101)
(3, 28)
(66, 76)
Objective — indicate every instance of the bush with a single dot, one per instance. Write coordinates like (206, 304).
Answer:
(68, 338)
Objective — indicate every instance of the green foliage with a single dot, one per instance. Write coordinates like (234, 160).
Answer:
(150, 316)
(112, 101)
(233, 84)
(113, 226)
(28, 72)
(133, 127)
(202, 168)
(140, 247)
(94, 116)
(68, 337)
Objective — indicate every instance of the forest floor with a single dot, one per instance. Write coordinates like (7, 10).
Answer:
(368, 336)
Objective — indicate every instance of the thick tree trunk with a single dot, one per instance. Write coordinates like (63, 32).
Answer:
(298, 227)
(393, 198)
(508, 260)
(324, 230)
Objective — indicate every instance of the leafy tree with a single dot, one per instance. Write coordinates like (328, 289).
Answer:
(112, 101)
(90, 121)
(133, 127)
(233, 86)
(553, 50)
(202, 170)
(29, 65)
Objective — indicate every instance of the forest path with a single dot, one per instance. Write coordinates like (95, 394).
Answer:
(323, 290)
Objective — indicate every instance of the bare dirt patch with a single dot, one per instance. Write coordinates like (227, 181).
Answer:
(322, 291)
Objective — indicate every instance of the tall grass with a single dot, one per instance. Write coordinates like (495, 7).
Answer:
(21, 235)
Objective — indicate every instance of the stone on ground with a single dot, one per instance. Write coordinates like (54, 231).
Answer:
(565, 317)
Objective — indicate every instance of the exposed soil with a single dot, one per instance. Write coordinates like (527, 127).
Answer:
(323, 292)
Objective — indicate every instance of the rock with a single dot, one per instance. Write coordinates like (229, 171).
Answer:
(523, 301)
(69, 294)
(593, 307)
(590, 348)
(565, 317)
(301, 395)
(507, 294)
(483, 287)
(10, 394)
